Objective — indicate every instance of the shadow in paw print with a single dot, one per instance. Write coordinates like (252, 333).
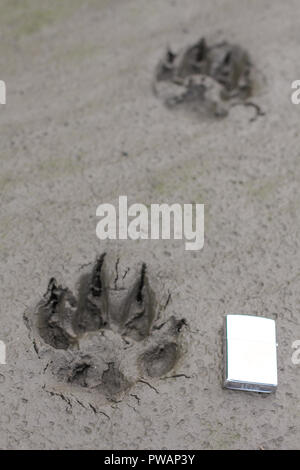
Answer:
(109, 336)
(55, 318)
(137, 313)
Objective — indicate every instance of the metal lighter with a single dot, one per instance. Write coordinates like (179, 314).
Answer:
(250, 353)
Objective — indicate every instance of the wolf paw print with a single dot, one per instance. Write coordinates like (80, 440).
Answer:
(206, 78)
(112, 334)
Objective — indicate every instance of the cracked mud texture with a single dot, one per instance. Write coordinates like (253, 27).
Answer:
(203, 77)
(109, 318)
(81, 127)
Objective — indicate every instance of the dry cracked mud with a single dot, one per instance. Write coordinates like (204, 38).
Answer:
(203, 78)
(97, 344)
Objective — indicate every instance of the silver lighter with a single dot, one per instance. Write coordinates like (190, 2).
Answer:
(250, 353)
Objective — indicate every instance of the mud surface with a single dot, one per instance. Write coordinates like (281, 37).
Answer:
(82, 126)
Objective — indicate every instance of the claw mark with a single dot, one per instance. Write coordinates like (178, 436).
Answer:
(139, 296)
(97, 283)
(162, 309)
(125, 273)
(167, 301)
(35, 347)
(117, 273)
